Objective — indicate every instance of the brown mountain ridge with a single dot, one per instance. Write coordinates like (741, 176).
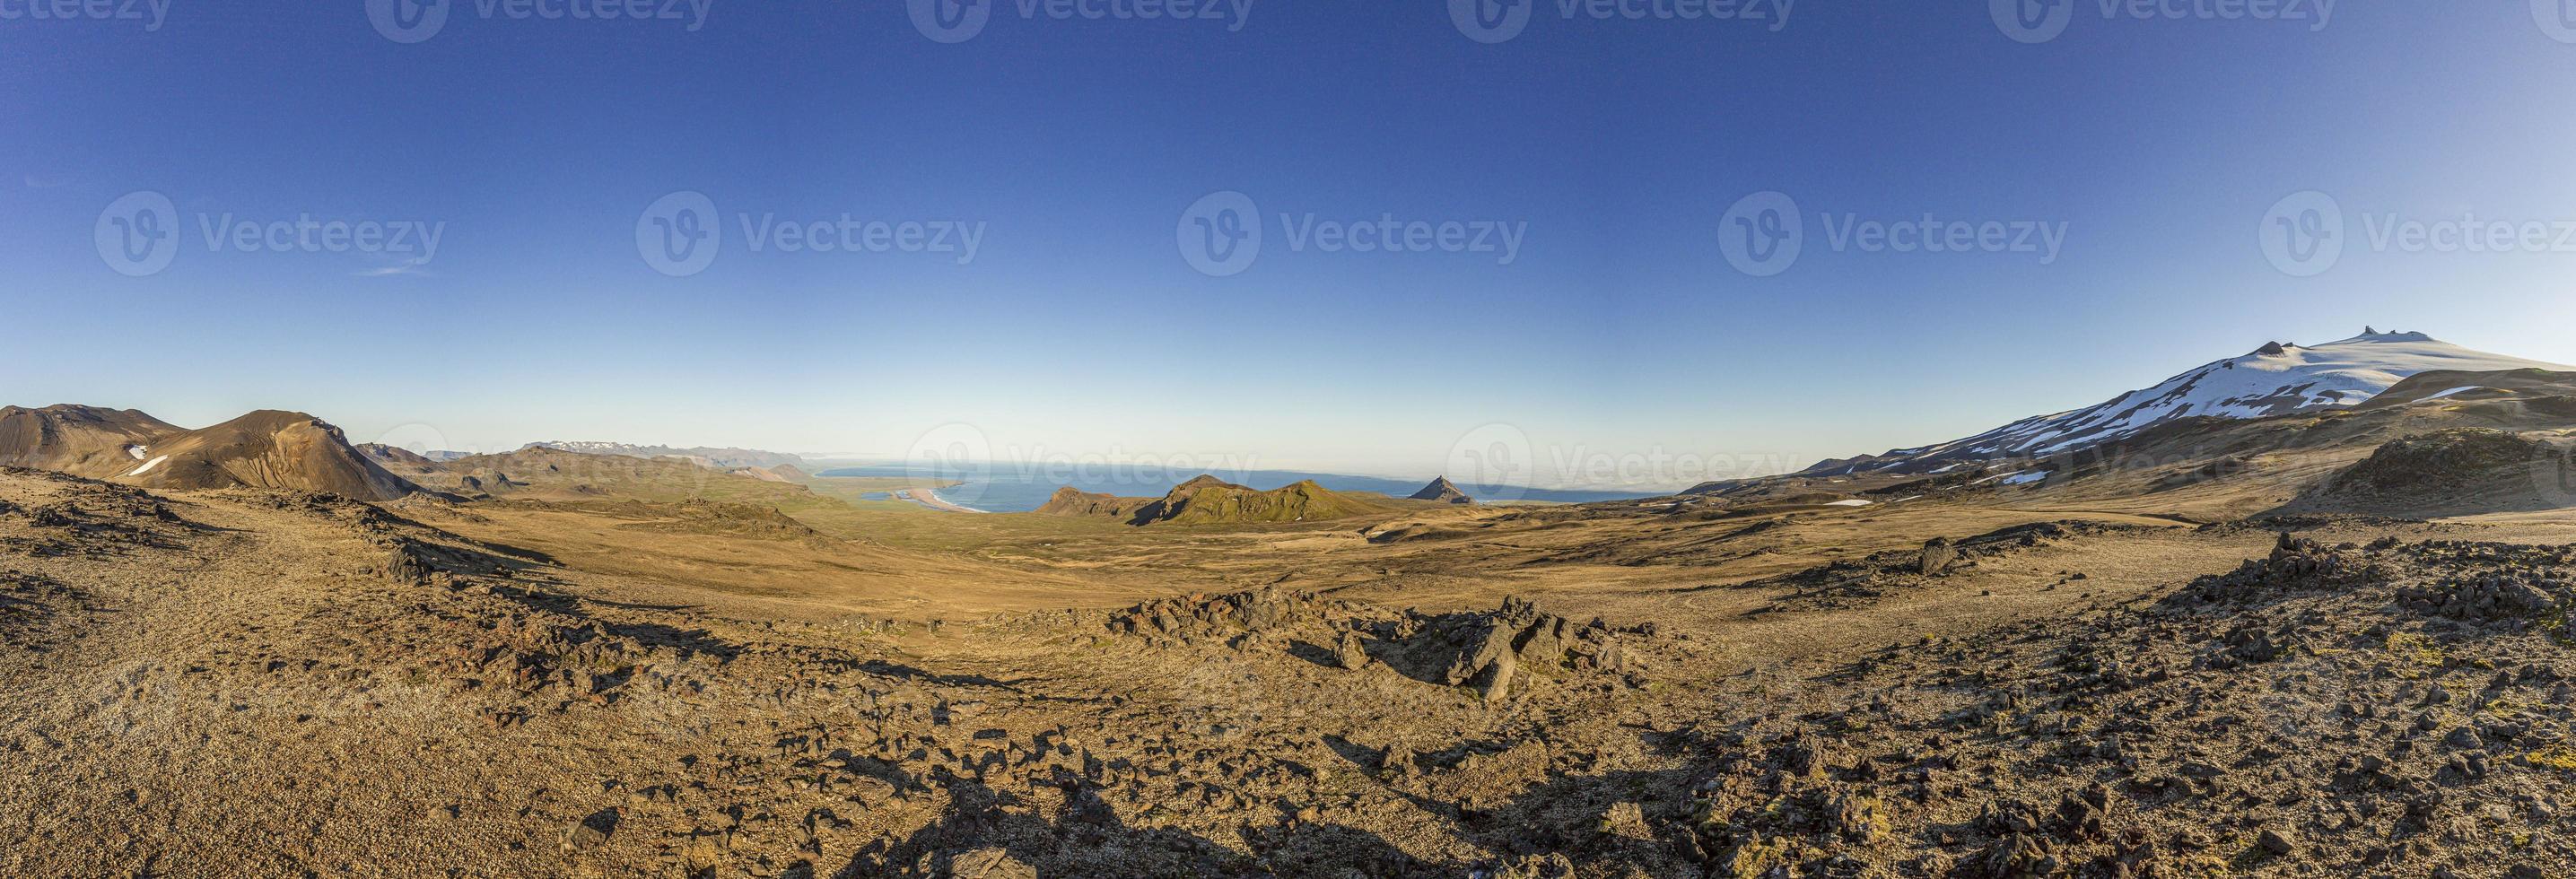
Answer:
(1207, 500)
(265, 449)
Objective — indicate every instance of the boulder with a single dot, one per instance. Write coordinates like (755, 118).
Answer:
(1938, 555)
(1350, 652)
(989, 863)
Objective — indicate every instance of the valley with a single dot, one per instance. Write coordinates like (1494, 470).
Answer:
(2326, 640)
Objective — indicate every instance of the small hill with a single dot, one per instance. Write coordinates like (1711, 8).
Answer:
(266, 449)
(281, 450)
(1208, 500)
(1070, 501)
(393, 454)
(2462, 386)
(1443, 491)
(395, 457)
(2453, 472)
(538, 473)
(83, 440)
(787, 473)
(550, 472)
(719, 458)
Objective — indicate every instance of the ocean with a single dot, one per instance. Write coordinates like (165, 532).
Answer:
(1006, 489)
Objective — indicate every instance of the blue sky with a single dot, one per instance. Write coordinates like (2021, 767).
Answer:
(1619, 330)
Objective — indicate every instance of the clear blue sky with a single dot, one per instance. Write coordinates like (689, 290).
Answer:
(1620, 328)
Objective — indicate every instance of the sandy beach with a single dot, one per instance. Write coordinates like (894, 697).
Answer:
(929, 498)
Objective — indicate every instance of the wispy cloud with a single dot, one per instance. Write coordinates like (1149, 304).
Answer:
(417, 266)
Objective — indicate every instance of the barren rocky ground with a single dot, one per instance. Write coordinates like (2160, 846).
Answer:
(278, 684)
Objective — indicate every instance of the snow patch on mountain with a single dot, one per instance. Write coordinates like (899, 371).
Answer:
(2276, 379)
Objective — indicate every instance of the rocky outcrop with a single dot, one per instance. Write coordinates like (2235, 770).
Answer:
(1938, 554)
(1494, 653)
(1071, 501)
(2445, 460)
(1441, 490)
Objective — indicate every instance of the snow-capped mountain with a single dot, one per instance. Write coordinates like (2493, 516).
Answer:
(2277, 378)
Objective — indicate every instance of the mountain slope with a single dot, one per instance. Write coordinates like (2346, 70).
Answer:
(1071, 501)
(2463, 387)
(2275, 379)
(1443, 491)
(281, 450)
(267, 449)
(84, 440)
(718, 458)
(1207, 500)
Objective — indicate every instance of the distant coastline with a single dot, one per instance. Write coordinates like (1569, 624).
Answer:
(1001, 490)
(930, 498)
